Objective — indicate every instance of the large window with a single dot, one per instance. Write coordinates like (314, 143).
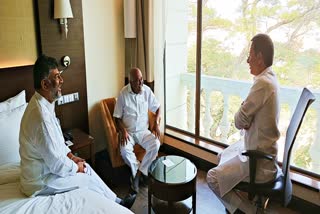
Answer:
(207, 76)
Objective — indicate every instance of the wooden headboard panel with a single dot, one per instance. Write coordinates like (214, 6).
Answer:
(14, 80)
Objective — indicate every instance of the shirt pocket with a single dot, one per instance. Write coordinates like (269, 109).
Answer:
(143, 107)
(129, 110)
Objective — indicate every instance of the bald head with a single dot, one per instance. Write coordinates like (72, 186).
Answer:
(136, 80)
(135, 72)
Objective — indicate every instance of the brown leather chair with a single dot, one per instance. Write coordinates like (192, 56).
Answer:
(113, 147)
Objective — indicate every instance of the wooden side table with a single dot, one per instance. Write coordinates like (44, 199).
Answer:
(172, 181)
(83, 145)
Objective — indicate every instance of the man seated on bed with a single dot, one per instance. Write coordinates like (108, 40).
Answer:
(45, 159)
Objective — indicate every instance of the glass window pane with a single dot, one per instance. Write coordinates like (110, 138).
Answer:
(180, 59)
(227, 27)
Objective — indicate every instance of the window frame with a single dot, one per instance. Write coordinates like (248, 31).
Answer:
(196, 135)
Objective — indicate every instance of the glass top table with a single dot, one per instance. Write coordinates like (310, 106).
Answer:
(172, 182)
(172, 169)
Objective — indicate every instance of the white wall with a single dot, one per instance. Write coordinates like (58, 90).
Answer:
(105, 58)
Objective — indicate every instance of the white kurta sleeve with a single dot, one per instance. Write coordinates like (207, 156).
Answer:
(153, 103)
(118, 109)
(54, 152)
(258, 95)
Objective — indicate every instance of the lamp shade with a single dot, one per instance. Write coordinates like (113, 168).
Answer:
(62, 9)
(129, 7)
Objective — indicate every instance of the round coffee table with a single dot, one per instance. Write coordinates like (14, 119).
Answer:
(172, 180)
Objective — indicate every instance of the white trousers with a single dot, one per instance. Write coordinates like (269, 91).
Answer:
(88, 180)
(233, 199)
(149, 142)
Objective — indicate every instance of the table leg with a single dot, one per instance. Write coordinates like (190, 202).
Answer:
(93, 158)
(149, 198)
(194, 198)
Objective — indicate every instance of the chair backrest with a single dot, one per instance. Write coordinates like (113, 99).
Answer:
(304, 102)
(107, 108)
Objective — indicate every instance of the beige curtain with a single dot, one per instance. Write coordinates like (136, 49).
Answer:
(146, 51)
(139, 50)
(143, 38)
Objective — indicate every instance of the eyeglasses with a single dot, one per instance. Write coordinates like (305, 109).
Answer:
(137, 81)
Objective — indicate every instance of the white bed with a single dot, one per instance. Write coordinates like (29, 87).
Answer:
(15, 202)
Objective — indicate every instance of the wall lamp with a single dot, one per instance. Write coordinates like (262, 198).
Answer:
(65, 61)
(63, 11)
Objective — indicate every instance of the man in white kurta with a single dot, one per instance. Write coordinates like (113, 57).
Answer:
(258, 116)
(131, 115)
(45, 159)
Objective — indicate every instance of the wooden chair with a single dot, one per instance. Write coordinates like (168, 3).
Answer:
(281, 189)
(113, 146)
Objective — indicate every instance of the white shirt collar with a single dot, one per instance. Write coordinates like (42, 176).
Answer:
(45, 102)
(130, 89)
(268, 69)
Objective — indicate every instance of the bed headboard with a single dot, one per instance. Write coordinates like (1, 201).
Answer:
(13, 80)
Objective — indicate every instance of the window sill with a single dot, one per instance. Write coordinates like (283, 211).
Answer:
(296, 177)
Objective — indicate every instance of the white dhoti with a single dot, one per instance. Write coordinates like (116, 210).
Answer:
(88, 180)
(232, 169)
(233, 199)
(146, 140)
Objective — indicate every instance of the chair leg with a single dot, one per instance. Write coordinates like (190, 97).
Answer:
(265, 204)
(262, 203)
(258, 202)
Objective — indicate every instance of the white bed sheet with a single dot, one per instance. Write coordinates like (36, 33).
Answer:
(76, 201)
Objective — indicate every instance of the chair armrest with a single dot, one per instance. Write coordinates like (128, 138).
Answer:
(253, 156)
(257, 154)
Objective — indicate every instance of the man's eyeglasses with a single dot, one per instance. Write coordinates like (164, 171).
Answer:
(137, 81)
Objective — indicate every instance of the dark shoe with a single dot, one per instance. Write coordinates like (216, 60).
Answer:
(135, 183)
(128, 200)
(238, 211)
(144, 180)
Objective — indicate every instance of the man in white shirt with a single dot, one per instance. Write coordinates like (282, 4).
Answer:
(46, 162)
(131, 116)
(258, 116)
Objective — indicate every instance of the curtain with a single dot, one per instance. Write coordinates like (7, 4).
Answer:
(144, 35)
(147, 50)
(138, 50)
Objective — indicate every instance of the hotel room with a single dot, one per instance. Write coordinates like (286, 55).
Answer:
(101, 48)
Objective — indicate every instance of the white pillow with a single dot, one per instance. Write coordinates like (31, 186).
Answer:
(13, 102)
(9, 135)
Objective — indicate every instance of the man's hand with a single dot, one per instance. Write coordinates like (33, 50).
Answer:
(81, 167)
(77, 159)
(124, 137)
(156, 130)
